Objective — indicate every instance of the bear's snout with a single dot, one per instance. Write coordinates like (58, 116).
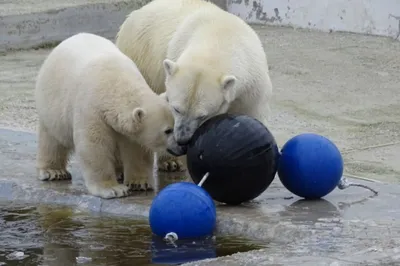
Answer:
(178, 150)
(184, 131)
(183, 142)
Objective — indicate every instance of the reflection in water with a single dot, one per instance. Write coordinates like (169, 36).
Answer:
(313, 210)
(322, 218)
(58, 236)
(181, 251)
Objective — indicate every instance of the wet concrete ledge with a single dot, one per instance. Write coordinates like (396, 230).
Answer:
(350, 225)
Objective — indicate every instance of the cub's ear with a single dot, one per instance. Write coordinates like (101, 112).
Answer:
(138, 115)
(228, 83)
(170, 67)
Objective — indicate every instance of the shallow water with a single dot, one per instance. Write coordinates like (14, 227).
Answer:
(62, 236)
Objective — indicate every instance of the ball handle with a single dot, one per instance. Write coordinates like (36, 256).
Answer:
(344, 183)
(203, 179)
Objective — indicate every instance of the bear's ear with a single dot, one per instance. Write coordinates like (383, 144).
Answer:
(228, 83)
(170, 67)
(138, 114)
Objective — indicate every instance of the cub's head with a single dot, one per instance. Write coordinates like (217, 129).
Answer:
(156, 130)
(195, 94)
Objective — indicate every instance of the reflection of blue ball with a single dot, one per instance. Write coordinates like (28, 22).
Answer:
(310, 166)
(183, 208)
(183, 251)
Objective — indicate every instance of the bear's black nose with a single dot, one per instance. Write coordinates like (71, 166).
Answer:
(184, 149)
(183, 142)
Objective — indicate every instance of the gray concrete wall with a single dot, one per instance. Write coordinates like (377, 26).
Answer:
(374, 17)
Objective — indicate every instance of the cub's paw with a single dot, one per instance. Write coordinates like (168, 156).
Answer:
(137, 185)
(170, 165)
(53, 175)
(108, 190)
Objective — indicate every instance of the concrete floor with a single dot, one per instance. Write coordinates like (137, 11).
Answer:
(344, 86)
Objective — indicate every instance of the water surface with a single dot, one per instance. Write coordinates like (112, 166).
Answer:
(58, 236)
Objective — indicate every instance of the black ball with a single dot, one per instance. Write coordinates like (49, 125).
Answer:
(239, 153)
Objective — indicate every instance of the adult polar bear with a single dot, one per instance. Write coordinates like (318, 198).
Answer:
(206, 60)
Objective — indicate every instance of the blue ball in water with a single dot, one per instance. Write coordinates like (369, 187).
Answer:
(310, 166)
(185, 209)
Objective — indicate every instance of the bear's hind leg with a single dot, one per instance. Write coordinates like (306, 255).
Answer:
(137, 166)
(52, 157)
(169, 163)
(98, 164)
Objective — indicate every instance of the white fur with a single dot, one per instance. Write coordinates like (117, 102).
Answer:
(206, 60)
(93, 100)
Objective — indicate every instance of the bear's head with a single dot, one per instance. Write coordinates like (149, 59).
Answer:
(155, 127)
(196, 93)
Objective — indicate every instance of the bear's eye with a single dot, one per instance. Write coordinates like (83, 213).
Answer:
(168, 131)
(201, 118)
(176, 110)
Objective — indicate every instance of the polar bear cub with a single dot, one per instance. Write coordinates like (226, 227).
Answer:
(92, 99)
(206, 60)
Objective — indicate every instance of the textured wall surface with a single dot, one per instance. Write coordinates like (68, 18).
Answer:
(375, 17)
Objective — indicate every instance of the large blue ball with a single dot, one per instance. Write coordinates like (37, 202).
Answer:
(310, 166)
(185, 209)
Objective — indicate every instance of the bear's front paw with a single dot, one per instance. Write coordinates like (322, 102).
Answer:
(108, 190)
(170, 165)
(53, 175)
(139, 185)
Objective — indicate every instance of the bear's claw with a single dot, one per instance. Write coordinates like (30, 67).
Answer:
(53, 175)
(117, 191)
(171, 166)
(140, 186)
